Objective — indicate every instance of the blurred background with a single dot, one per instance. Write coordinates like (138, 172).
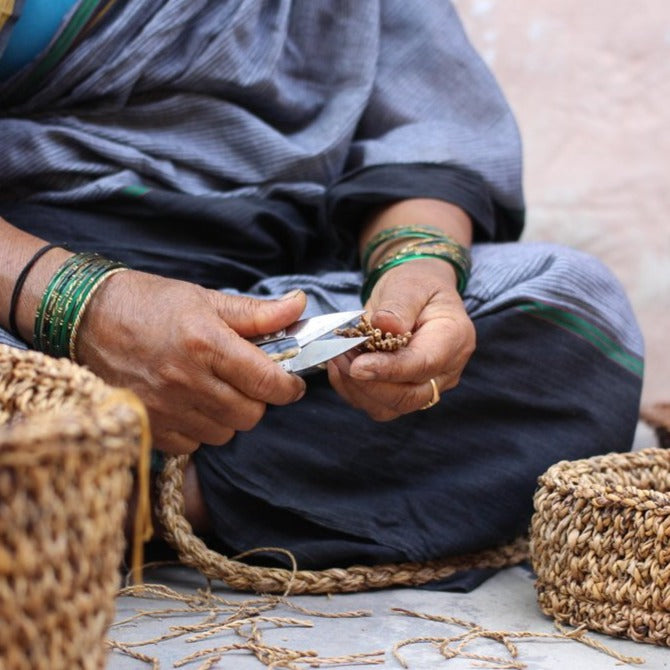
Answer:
(589, 81)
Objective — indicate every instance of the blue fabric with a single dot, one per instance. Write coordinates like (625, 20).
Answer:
(37, 25)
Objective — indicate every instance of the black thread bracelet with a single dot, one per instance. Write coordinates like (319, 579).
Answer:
(20, 281)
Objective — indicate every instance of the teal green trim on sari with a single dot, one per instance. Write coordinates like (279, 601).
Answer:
(135, 190)
(590, 332)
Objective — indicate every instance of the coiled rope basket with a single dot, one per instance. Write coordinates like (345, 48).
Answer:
(600, 544)
(68, 445)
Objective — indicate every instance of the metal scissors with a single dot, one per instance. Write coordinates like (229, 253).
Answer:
(306, 345)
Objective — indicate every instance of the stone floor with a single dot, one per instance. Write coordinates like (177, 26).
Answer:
(506, 602)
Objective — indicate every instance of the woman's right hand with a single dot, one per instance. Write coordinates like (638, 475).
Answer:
(182, 349)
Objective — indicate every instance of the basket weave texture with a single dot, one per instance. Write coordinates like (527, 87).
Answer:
(600, 544)
(68, 443)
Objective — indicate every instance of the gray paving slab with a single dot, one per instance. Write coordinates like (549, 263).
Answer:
(505, 602)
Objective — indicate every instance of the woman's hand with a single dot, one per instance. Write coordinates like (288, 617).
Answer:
(181, 348)
(418, 296)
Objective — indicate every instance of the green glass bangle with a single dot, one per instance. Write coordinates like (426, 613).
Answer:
(399, 232)
(83, 295)
(64, 299)
(462, 273)
(76, 293)
(59, 300)
(84, 289)
(45, 309)
(60, 338)
(65, 295)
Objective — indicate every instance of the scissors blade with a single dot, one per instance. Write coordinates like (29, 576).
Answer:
(308, 330)
(315, 353)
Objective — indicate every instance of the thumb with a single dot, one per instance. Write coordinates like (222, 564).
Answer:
(249, 317)
(392, 308)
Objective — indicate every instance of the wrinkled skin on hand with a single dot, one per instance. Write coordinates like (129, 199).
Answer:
(419, 296)
(181, 348)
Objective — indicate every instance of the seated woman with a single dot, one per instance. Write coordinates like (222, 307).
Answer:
(250, 163)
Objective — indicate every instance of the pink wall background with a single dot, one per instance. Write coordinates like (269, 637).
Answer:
(590, 84)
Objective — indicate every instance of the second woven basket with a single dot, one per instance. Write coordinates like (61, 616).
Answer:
(600, 544)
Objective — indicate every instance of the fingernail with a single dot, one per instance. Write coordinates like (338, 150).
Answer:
(291, 294)
(364, 374)
(386, 310)
(301, 393)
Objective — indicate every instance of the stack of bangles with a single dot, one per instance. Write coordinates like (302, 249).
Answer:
(64, 301)
(422, 242)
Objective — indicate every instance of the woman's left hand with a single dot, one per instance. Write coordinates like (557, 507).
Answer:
(418, 296)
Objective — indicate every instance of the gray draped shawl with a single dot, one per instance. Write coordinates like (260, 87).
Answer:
(248, 98)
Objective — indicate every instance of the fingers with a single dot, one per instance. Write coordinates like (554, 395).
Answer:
(246, 368)
(383, 401)
(401, 294)
(441, 347)
(249, 317)
(183, 434)
(200, 379)
(172, 442)
(243, 365)
(421, 297)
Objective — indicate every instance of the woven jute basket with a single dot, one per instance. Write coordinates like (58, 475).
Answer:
(237, 574)
(68, 447)
(600, 544)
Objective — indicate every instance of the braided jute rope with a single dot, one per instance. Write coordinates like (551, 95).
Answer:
(68, 447)
(600, 544)
(238, 575)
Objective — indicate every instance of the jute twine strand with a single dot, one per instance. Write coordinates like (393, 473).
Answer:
(68, 447)
(246, 619)
(455, 646)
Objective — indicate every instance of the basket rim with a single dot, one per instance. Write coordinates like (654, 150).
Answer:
(103, 416)
(581, 479)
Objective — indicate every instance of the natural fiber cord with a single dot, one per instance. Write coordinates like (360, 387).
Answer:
(68, 447)
(600, 544)
(241, 576)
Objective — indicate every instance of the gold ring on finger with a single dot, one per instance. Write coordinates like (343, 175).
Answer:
(436, 395)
